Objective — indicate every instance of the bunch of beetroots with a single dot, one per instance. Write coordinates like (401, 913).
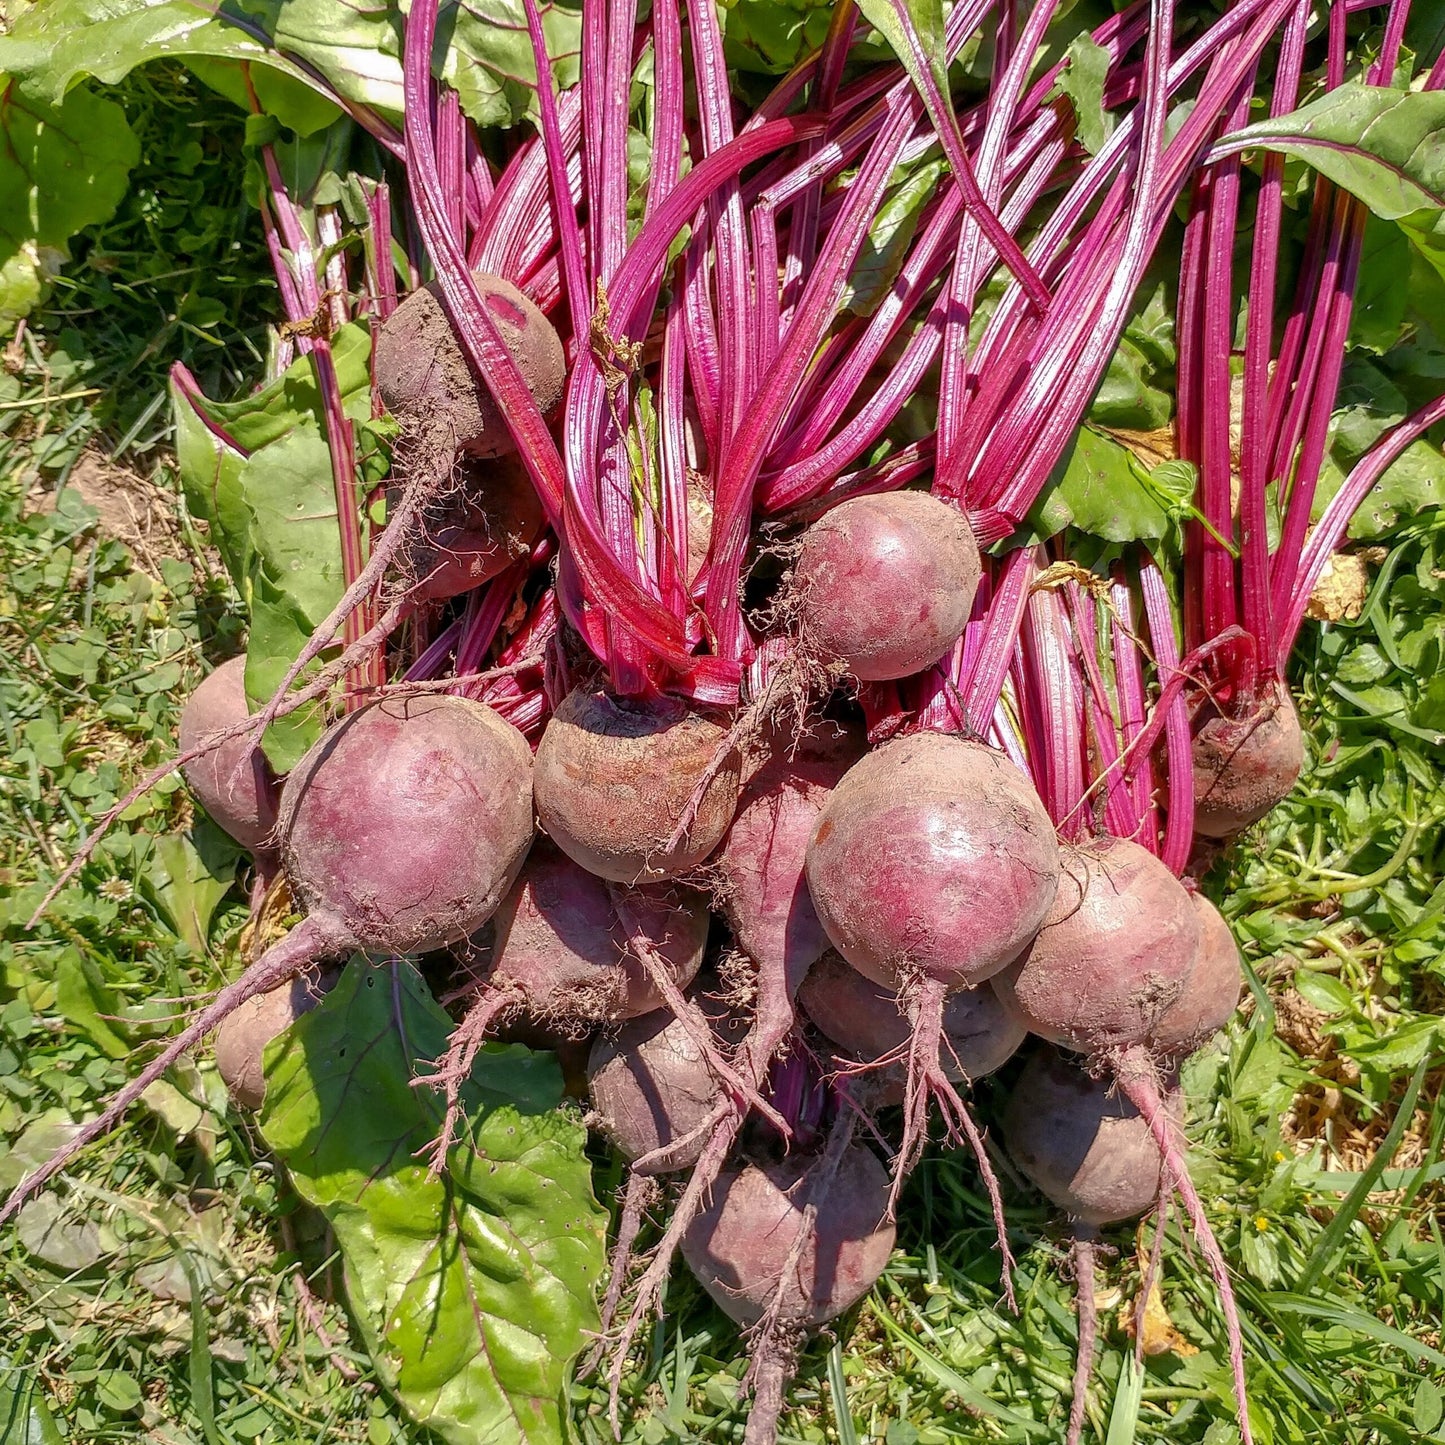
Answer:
(782, 853)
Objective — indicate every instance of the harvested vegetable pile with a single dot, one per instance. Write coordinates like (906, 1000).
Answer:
(720, 679)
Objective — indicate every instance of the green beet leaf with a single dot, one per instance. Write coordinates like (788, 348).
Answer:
(889, 236)
(1102, 488)
(63, 41)
(258, 471)
(66, 165)
(771, 36)
(484, 50)
(1082, 80)
(297, 575)
(474, 1291)
(1386, 147)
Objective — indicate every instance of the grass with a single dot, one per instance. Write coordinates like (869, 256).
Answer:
(160, 1299)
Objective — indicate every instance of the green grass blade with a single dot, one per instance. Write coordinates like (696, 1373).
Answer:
(1330, 1241)
(203, 1396)
(1124, 1417)
(950, 1379)
(838, 1386)
(1334, 1313)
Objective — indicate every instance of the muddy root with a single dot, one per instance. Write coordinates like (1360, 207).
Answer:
(1138, 1077)
(313, 938)
(927, 1080)
(1088, 1313)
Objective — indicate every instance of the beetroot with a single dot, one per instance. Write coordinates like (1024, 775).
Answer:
(1245, 765)
(401, 830)
(241, 1040)
(931, 866)
(764, 891)
(766, 899)
(1212, 994)
(616, 777)
(409, 820)
(1113, 955)
(1114, 974)
(569, 951)
(561, 952)
(1083, 1145)
(738, 1245)
(424, 378)
(233, 781)
(657, 1097)
(884, 584)
(652, 1086)
(933, 859)
(865, 1019)
(1094, 1156)
(472, 534)
(785, 1247)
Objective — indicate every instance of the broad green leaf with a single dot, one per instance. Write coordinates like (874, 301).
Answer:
(297, 578)
(65, 166)
(1414, 484)
(1386, 147)
(1382, 289)
(889, 238)
(1100, 487)
(1425, 30)
(771, 36)
(54, 1232)
(1322, 991)
(927, 20)
(295, 104)
(259, 472)
(474, 1291)
(1126, 397)
(1368, 404)
(189, 877)
(1082, 80)
(25, 1419)
(56, 44)
(46, 1133)
(211, 469)
(1428, 1408)
(293, 397)
(87, 1003)
(483, 49)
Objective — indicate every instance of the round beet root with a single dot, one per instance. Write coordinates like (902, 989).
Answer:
(1211, 996)
(241, 1040)
(765, 894)
(652, 1086)
(562, 951)
(738, 1246)
(425, 379)
(474, 533)
(933, 858)
(1084, 1147)
(1113, 955)
(233, 782)
(408, 821)
(1243, 767)
(884, 584)
(615, 776)
(864, 1018)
